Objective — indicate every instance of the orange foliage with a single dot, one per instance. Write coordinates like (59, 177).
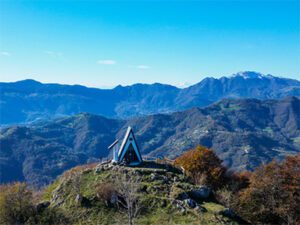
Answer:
(237, 181)
(16, 205)
(273, 195)
(203, 166)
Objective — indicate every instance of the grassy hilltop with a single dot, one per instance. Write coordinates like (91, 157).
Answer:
(162, 192)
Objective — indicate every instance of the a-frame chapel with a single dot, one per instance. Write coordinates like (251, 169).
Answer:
(129, 152)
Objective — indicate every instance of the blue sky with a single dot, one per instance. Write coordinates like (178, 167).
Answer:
(102, 44)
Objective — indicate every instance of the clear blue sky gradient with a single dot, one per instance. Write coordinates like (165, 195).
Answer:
(102, 44)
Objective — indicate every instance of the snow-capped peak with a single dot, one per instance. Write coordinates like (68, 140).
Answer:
(251, 75)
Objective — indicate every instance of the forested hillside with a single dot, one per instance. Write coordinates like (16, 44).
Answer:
(243, 133)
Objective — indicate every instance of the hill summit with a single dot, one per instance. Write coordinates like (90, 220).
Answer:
(89, 194)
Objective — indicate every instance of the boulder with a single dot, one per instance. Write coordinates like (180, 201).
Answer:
(114, 198)
(154, 176)
(99, 169)
(190, 203)
(228, 213)
(179, 205)
(136, 173)
(181, 208)
(78, 199)
(183, 196)
(200, 209)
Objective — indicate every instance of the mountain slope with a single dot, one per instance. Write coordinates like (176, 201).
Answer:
(29, 100)
(244, 133)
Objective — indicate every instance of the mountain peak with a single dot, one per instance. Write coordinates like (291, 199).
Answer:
(28, 81)
(27, 84)
(251, 75)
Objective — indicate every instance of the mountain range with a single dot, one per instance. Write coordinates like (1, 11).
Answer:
(29, 101)
(244, 133)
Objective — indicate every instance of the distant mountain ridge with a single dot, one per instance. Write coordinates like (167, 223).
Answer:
(29, 100)
(243, 132)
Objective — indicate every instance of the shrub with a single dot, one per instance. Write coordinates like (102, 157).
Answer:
(237, 181)
(225, 197)
(273, 195)
(49, 216)
(203, 166)
(105, 192)
(16, 206)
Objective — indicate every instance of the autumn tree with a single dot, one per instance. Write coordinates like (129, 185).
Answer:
(273, 195)
(203, 166)
(16, 205)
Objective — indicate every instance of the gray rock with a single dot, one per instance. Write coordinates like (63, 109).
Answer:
(136, 173)
(183, 196)
(154, 176)
(164, 178)
(114, 199)
(114, 163)
(115, 167)
(179, 205)
(56, 199)
(228, 213)
(99, 169)
(190, 203)
(155, 188)
(181, 208)
(200, 209)
(78, 199)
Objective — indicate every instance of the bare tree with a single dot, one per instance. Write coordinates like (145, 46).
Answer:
(76, 182)
(128, 187)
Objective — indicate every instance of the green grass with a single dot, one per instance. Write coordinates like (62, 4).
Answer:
(156, 201)
(47, 193)
(212, 207)
(168, 216)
